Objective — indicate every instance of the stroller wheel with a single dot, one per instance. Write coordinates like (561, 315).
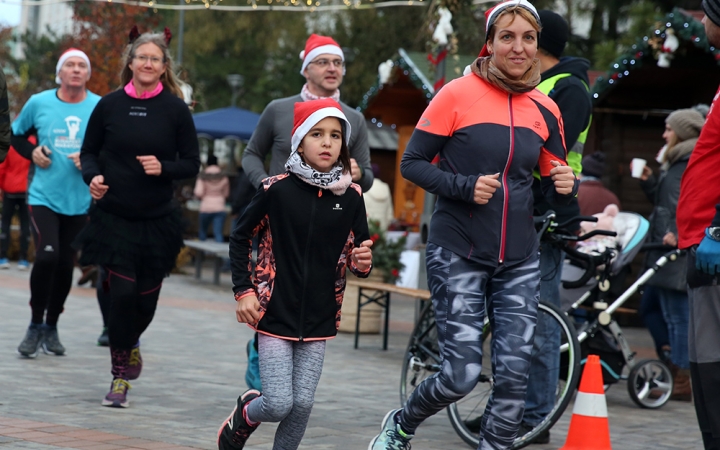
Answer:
(650, 383)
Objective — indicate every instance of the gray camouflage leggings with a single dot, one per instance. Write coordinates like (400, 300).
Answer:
(289, 372)
(462, 293)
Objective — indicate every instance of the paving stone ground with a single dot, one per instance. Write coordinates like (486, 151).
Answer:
(194, 355)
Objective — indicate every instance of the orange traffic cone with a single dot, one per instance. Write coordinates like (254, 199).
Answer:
(589, 426)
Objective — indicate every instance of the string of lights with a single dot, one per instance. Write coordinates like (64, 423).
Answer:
(644, 51)
(252, 5)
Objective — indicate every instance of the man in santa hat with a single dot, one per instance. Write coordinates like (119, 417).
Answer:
(57, 195)
(323, 66)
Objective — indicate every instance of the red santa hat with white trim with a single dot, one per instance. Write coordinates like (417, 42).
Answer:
(319, 45)
(310, 113)
(69, 53)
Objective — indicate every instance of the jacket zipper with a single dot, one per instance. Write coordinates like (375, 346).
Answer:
(305, 265)
(506, 194)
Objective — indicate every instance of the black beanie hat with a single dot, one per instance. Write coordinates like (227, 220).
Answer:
(555, 32)
(712, 10)
(593, 165)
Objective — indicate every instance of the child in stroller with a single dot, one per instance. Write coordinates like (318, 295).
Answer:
(593, 289)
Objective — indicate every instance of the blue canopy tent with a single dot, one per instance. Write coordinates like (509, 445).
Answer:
(226, 122)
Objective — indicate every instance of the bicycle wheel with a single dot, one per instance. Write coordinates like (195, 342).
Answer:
(465, 414)
(422, 357)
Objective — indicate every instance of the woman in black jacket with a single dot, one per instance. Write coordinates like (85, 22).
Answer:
(140, 139)
(682, 129)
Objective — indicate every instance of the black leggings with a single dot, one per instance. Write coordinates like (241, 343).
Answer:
(11, 203)
(51, 276)
(133, 301)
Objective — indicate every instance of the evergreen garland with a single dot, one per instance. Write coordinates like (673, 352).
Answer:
(686, 28)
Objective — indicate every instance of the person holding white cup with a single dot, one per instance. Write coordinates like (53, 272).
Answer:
(639, 168)
(682, 128)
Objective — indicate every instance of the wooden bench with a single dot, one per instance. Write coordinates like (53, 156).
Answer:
(218, 250)
(381, 296)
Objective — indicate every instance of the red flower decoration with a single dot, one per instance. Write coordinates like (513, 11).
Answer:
(395, 272)
(374, 237)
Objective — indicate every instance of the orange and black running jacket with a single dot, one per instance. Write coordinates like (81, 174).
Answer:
(306, 237)
(478, 129)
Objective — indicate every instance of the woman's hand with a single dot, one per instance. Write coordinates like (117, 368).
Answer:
(362, 256)
(670, 239)
(485, 187)
(41, 156)
(646, 173)
(563, 177)
(248, 309)
(75, 157)
(150, 164)
(97, 188)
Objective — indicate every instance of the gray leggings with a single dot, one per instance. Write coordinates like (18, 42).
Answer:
(289, 372)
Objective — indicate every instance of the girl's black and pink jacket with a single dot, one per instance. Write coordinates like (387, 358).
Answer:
(478, 129)
(306, 238)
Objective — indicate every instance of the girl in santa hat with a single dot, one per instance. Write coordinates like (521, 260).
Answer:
(312, 226)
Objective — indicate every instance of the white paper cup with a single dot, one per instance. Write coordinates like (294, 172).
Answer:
(637, 165)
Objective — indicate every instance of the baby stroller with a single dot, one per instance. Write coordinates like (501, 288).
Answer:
(592, 290)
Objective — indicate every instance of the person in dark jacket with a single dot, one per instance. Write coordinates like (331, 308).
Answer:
(139, 139)
(593, 196)
(312, 226)
(565, 81)
(4, 118)
(323, 66)
(682, 129)
(491, 129)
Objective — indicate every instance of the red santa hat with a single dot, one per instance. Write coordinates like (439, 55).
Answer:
(69, 53)
(493, 13)
(319, 45)
(308, 114)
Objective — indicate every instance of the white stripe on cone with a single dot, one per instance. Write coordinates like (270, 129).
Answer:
(591, 405)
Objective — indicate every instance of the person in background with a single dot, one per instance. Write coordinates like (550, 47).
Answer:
(212, 188)
(378, 201)
(58, 118)
(13, 185)
(593, 196)
(682, 128)
(4, 118)
(565, 80)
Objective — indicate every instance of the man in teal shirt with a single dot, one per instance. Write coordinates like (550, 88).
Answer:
(58, 198)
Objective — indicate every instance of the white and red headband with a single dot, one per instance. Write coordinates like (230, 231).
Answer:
(69, 53)
(492, 14)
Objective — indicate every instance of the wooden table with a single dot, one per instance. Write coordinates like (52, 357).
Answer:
(381, 296)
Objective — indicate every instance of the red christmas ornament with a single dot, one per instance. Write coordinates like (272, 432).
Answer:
(614, 76)
(638, 55)
(717, 56)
